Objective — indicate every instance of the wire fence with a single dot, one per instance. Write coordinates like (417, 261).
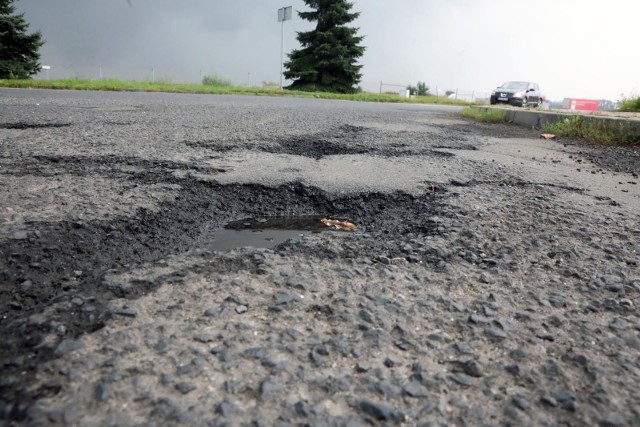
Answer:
(469, 95)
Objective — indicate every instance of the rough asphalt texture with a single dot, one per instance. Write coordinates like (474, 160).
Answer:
(493, 278)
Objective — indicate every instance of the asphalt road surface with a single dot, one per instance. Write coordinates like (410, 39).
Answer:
(164, 261)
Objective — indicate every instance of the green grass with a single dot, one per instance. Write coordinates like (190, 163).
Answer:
(119, 85)
(593, 130)
(631, 105)
(487, 116)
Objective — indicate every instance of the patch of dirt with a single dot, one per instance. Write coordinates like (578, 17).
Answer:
(148, 171)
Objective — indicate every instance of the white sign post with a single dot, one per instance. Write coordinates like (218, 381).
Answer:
(46, 68)
(284, 14)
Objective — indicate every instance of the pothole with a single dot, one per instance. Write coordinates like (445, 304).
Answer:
(22, 125)
(65, 263)
(268, 232)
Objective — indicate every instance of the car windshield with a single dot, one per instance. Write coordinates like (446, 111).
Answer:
(514, 85)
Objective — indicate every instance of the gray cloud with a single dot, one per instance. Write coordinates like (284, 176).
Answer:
(581, 48)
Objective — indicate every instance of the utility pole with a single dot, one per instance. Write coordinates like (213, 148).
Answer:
(284, 14)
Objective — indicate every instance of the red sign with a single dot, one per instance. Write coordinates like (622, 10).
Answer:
(583, 104)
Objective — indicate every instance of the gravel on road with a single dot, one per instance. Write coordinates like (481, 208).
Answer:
(492, 278)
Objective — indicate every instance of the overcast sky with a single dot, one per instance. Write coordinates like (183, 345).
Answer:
(572, 48)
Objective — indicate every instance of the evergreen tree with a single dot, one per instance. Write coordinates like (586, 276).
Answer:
(327, 59)
(18, 50)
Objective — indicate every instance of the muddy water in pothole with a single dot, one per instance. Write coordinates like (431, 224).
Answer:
(266, 232)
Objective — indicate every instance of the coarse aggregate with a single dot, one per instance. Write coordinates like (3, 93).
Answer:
(492, 278)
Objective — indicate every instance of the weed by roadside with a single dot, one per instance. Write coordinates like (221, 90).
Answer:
(594, 131)
(631, 105)
(487, 116)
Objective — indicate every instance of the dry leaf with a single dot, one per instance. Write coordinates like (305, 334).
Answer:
(547, 136)
(338, 225)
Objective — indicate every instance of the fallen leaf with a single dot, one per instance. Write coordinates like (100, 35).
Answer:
(547, 136)
(338, 225)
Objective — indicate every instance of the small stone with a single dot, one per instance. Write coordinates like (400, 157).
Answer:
(612, 420)
(548, 400)
(415, 389)
(225, 408)
(387, 389)
(507, 325)
(101, 392)
(477, 319)
(461, 379)
(67, 346)
(381, 412)
(615, 287)
(301, 409)
(513, 369)
(384, 260)
(476, 412)
(70, 414)
(268, 387)
(126, 312)
(520, 403)
(205, 337)
(185, 387)
(389, 363)
(366, 316)
(19, 235)
(283, 298)
(557, 301)
(486, 278)
(619, 325)
(315, 357)
(210, 312)
(362, 367)
(463, 348)
(240, 309)
(473, 368)
(495, 334)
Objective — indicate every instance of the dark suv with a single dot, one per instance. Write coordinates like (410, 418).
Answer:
(520, 94)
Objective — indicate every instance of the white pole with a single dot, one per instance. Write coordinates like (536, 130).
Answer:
(100, 71)
(153, 75)
(281, 51)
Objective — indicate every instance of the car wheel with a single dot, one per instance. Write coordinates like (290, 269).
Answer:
(524, 102)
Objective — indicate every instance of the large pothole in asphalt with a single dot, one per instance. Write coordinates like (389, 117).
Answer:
(65, 263)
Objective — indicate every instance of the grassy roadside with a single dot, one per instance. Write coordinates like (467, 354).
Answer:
(574, 127)
(593, 131)
(126, 86)
(487, 116)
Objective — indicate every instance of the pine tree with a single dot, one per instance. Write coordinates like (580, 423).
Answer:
(328, 58)
(18, 50)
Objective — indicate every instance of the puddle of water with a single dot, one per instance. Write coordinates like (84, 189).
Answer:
(266, 232)
(225, 240)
